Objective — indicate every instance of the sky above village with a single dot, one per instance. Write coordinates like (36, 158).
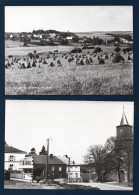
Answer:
(72, 125)
(68, 18)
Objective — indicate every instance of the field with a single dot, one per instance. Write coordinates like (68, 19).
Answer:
(103, 35)
(68, 79)
(15, 49)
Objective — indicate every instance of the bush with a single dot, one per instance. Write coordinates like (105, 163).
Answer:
(118, 58)
(31, 55)
(64, 42)
(37, 55)
(101, 61)
(7, 175)
(97, 50)
(117, 49)
(37, 178)
(77, 187)
(10, 56)
(128, 49)
(76, 50)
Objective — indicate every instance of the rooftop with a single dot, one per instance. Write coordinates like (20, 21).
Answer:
(10, 149)
(41, 159)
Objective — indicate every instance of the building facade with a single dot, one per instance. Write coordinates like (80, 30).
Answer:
(73, 170)
(56, 167)
(13, 157)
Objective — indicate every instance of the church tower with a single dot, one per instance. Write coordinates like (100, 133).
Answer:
(124, 133)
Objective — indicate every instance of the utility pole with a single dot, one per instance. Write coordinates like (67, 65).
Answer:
(46, 174)
(69, 168)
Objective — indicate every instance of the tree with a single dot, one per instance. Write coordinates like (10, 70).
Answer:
(76, 50)
(120, 157)
(118, 58)
(43, 151)
(32, 151)
(117, 39)
(75, 39)
(114, 161)
(117, 49)
(64, 42)
(97, 50)
(96, 155)
(110, 144)
(51, 42)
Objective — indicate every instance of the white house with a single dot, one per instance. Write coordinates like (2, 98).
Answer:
(73, 169)
(26, 166)
(13, 157)
(73, 173)
(37, 36)
(69, 38)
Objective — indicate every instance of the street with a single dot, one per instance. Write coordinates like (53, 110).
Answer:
(107, 186)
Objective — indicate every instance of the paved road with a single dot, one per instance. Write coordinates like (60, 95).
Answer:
(106, 186)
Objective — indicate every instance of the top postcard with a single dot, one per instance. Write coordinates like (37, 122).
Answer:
(68, 50)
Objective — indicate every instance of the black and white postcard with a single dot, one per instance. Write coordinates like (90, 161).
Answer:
(69, 145)
(69, 50)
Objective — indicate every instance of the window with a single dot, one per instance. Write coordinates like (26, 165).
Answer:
(53, 168)
(121, 131)
(11, 166)
(60, 168)
(11, 158)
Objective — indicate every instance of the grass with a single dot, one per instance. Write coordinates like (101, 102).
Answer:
(14, 48)
(107, 79)
(11, 184)
(71, 80)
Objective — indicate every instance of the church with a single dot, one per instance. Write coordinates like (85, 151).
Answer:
(119, 162)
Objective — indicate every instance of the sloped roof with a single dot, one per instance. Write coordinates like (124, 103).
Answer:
(10, 149)
(124, 120)
(41, 159)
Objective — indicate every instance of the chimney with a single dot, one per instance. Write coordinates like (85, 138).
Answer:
(51, 155)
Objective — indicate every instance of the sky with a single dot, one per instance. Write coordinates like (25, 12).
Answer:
(72, 126)
(68, 18)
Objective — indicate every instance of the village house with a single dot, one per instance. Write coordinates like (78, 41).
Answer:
(72, 170)
(69, 38)
(26, 167)
(13, 157)
(56, 167)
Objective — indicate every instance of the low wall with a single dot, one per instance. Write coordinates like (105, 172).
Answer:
(16, 174)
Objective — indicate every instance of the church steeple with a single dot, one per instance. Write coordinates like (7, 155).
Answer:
(124, 120)
(124, 131)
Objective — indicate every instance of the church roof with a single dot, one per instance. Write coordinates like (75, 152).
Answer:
(124, 120)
